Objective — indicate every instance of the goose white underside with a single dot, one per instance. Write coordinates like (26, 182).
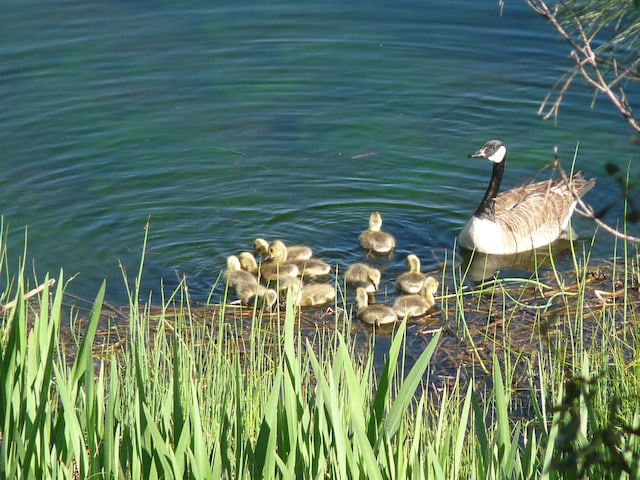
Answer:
(487, 236)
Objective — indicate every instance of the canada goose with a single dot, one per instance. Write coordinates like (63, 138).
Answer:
(272, 271)
(311, 267)
(413, 280)
(374, 239)
(417, 304)
(248, 262)
(260, 247)
(236, 276)
(247, 294)
(284, 284)
(246, 285)
(267, 271)
(294, 252)
(361, 275)
(315, 294)
(523, 218)
(374, 314)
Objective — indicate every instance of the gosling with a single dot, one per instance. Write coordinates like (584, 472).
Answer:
(374, 239)
(284, 284)
(417, 305)
(374, 314)
(248, 263)
(317, 294)
(258, 293)
(413, 280)
(311, 267)
(294, 252)
(361, 275)
(236, 276)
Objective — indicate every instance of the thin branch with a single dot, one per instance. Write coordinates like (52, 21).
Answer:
(584, 56)
(555, 108)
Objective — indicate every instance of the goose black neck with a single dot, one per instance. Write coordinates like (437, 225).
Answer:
(486, 209)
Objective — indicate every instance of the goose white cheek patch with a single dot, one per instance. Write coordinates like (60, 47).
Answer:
(499, 154)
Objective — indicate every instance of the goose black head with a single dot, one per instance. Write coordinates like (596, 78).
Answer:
(493, 150)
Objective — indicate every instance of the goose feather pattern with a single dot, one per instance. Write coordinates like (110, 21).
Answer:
(524, 218)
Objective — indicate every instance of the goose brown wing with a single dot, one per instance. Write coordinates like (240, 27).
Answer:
(511, 199)
(539, 209)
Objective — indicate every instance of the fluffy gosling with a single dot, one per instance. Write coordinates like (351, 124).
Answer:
(413, 280)
(361, 275)
(374, 314)
(311, 267)
(316, 294)
(248, 262)
(267, 271)
(236, 276)
(417, 304)
(294, 252)
(374, 239)
(248, 295)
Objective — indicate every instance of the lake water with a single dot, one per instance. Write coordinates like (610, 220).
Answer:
(284, 119)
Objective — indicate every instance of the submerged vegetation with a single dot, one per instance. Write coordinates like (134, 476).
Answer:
(227, 392)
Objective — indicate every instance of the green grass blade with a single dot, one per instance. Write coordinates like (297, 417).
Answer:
(461, 433)
(383, 391)
(85, 351)
(407, 391)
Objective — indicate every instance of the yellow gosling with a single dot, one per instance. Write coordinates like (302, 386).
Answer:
(316, 294)
(311, 267)
(417, 304)
(413, 280)
(374, 239)
(374, 314)
(361, 275)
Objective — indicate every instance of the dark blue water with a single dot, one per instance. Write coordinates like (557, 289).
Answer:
(274, 119)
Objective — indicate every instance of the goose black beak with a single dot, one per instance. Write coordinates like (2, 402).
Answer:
(478, 154)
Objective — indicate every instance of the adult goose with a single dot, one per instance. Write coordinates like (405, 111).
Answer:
(524, 218)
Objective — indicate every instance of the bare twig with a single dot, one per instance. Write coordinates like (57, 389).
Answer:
(588, 64)
(29, 294)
